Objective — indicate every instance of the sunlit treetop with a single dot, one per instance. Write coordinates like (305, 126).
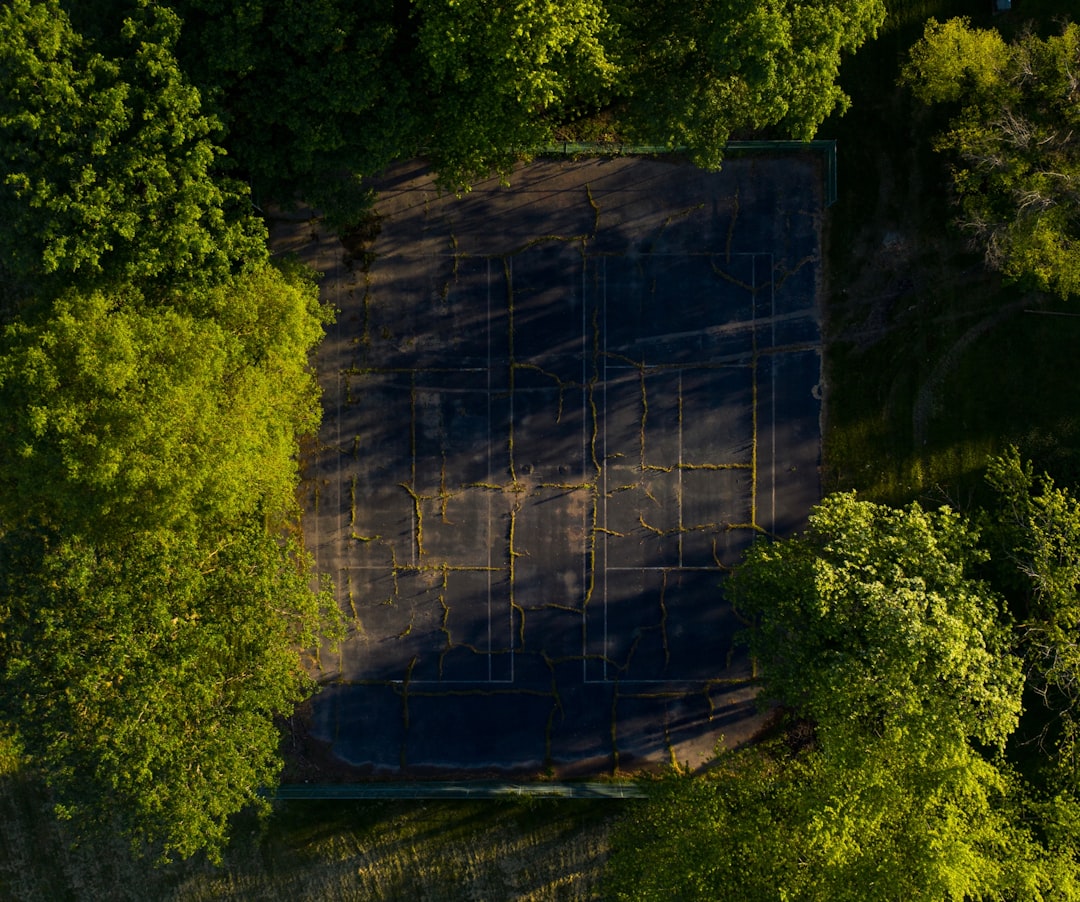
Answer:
(108, 164)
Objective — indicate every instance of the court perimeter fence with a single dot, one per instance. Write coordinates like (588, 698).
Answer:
(461, 789)
(506, 791)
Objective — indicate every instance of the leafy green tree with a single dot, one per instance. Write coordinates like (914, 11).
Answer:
(314, 90)
(143, 676)
(1015, 140)
(155, 382)
(694, 73)
(872, 617)
(108, 164)
(1037, 526)
(315, 93)
(897, 672)
(872, 825)
(499, 78)
(122, 415)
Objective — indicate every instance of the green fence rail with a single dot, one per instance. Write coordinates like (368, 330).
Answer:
(463, 789)
(734, 148)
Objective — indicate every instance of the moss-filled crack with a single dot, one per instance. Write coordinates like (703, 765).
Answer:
(590, 554)
(403, 758)
(731, 226)
(595, 207)
(444, 494)
(444, 627)
(784, 273)
(675, 468)
(728, 277)
(594, 380)
(561, 384)
(418, 513)
(610, 532)
(352, 601)
(669, 220)
(513, 554)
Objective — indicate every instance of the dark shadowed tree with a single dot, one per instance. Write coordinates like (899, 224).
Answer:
(314, 90)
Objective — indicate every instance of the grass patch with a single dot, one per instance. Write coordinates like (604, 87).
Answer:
(931, 362)
(529, 850)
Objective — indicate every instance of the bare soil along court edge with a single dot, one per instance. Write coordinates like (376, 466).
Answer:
(555, 415)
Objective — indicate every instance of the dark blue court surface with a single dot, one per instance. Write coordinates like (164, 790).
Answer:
(555, 415)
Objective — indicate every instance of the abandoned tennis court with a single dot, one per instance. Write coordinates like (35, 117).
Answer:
(556, 413)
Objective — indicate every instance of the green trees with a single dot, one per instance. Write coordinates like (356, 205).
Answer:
(312, 91)
(144, 673)
(1038, 530)
(154, 383)
(499, 79)
(1016, 144)
(108, 163)
(122, 414)
(896, 668)
(895, 637)
(770, 824)
(693, 74)
(314, 94)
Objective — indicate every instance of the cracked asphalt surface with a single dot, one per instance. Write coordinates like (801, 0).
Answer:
(556, 413)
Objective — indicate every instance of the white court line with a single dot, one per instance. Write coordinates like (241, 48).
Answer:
(604, 468)
(510, 325)
(585, 345)
(772, 373)
(487, 275)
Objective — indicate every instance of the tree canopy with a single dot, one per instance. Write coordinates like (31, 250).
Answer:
(311, 91)
(873, 825)
(109, 163)
(873, 617)
(127, 415)
(896, 668)
(693, 74)
(1038, 534)
(145, 673)
(1015, 141)
(155, 384)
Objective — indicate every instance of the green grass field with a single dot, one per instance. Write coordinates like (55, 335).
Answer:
(932, 362)
(546, 850)
(932, 365)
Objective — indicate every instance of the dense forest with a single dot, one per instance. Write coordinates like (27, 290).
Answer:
(155, 382)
